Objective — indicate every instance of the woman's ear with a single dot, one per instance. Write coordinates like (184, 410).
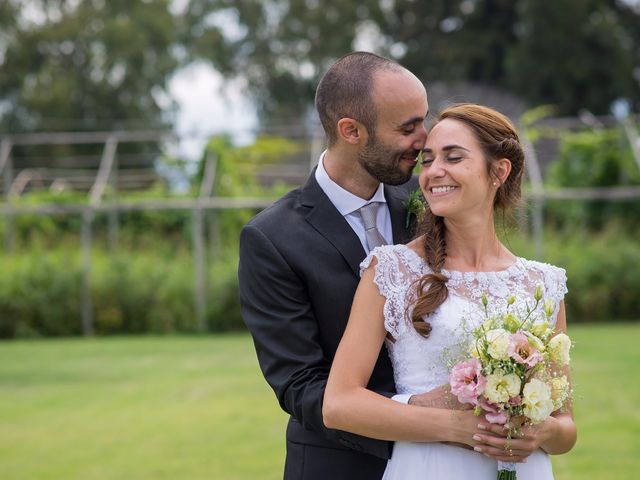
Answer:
(351, 131)
(502, 169)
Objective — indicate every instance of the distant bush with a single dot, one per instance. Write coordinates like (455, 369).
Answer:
(603, 271)
(600, 158)
(604, 274)
(40, 294)
(153, 292)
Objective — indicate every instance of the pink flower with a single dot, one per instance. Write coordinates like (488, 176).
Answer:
(467, 381)
(493, 415)
(515, 401)
(521, 350)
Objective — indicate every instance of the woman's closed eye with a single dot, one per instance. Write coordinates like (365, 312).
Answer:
(428, 160)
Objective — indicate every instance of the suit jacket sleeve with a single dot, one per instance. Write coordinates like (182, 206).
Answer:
(276, 309)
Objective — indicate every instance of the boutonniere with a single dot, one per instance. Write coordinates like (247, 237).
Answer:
(415, 205)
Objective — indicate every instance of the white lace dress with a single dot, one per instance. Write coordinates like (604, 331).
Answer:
(419, 364)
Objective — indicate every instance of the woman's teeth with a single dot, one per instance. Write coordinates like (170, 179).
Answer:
(442, 189)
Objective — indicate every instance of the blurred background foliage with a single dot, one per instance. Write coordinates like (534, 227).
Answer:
(105, 65)
(99, 64)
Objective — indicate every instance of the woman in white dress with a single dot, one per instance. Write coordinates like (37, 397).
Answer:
(413, 298)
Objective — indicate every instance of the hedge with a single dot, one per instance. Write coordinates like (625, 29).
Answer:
(134, 292)
(152, 291)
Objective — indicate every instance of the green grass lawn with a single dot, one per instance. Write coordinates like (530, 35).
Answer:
(197, 408)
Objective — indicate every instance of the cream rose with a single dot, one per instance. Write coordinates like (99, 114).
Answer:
(498, 343)
(500, 388)
(558, 349)
(536, 399)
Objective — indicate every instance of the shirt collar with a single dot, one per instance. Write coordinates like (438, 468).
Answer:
(345, 201)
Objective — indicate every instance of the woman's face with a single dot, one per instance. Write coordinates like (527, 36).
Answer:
(454, 177)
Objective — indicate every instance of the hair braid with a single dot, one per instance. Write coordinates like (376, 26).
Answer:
(431, 289)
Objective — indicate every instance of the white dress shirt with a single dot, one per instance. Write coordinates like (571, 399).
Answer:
(348, 205)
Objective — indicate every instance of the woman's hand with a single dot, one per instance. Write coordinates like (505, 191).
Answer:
(493, 442)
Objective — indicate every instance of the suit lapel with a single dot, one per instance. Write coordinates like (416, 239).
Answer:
(395, 200)
(326, 219)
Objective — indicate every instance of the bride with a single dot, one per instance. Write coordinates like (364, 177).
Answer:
(413, 298)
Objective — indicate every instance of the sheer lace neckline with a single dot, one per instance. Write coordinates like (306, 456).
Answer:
(515, 266)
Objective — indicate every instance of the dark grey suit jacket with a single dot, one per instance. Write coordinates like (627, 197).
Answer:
(298, 272)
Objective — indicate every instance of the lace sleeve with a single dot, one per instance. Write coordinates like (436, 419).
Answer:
(391, 277)
(555, 280)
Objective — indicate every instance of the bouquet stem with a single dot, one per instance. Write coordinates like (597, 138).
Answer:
(507, 471)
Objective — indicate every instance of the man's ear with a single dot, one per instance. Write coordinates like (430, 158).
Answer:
(351, 131)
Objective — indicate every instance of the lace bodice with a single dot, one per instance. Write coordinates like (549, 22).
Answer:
(418, 363)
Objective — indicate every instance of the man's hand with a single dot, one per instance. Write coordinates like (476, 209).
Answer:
(440, 397)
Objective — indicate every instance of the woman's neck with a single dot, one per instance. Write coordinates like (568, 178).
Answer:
(473, 246)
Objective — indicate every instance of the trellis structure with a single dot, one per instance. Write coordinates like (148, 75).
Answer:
(206, 201)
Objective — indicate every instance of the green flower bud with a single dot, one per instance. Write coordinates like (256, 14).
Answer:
(540, 329)
(538, 293)
(549, 307)
(511, 322)
(511, 299)
(485, 300)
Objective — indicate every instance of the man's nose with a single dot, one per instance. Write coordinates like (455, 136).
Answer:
(421, 138)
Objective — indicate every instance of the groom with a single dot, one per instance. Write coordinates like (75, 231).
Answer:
(299, 258)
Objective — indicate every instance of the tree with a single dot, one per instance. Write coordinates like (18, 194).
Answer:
(574, 53)
(86, 65)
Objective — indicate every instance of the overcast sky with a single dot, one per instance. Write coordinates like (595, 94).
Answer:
(205, 109)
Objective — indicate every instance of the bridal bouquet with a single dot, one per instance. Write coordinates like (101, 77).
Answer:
(513, 368)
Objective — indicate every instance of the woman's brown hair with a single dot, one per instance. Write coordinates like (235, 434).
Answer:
(498, 139)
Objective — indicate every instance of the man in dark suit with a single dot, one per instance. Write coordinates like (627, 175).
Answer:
(299, 258)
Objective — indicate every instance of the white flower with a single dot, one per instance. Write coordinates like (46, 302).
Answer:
(500, 388)
(476, 349)
(559, 349)
(537, 400)
(498, 343)
(559, 391)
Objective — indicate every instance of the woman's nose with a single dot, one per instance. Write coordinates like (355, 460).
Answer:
(436, 169)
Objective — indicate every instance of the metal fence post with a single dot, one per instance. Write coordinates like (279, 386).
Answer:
(535, 175)
(199, 267)
(6, 168)
(87, 305)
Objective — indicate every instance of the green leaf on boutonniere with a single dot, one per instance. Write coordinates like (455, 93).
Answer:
(414, 205)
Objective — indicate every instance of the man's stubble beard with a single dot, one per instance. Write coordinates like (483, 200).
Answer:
(383, 163)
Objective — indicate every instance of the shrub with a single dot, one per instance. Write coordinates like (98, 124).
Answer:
(600, 158)
(603, 271)
(131, 293)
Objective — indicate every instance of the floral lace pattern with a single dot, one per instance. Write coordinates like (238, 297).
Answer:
(418, 363)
